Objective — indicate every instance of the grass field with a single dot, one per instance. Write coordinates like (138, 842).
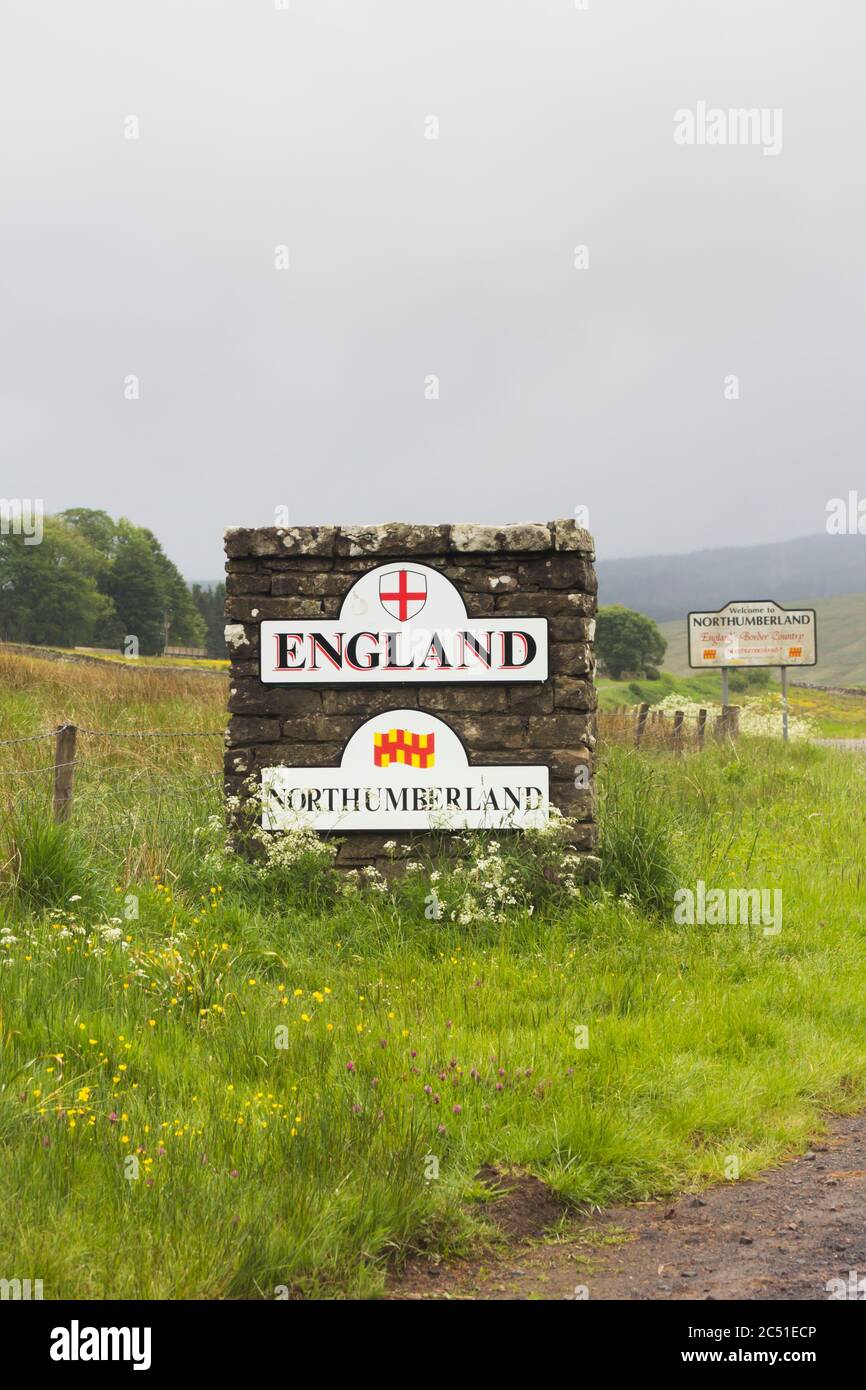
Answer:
(159, 663)
(220, 1081)
(88, 655)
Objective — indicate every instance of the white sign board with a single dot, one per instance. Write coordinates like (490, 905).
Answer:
(405, 770)
(403, 625)
(753, 632)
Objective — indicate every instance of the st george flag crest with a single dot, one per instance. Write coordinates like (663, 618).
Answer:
(403, 593)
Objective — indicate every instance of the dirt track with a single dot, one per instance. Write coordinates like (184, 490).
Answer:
(783, 1236)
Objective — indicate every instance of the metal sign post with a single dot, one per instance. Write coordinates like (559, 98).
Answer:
(753, 632)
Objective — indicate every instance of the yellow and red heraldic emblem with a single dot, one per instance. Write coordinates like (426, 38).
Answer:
(401, 746)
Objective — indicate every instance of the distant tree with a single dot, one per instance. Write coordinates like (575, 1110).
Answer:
(97, 580)
(97, 527)
(100, 532)
(184, 622)
(210, 602)
(627, 641)
(49, 593)
(746, 677)
(138, 590)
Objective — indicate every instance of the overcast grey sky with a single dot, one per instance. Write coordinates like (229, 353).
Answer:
(408, 256)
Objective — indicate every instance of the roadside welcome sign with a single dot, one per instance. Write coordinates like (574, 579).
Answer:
(405, 769)
(403, 624)
(754, 632)
(404, 679)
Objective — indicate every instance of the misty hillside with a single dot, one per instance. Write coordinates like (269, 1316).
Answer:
(791, 572)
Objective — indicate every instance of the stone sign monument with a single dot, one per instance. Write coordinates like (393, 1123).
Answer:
(400, 680)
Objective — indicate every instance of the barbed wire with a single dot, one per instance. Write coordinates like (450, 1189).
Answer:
(29, 738)
(193, 783)
(32, 771)
(107, 767)
(108, 733)
(153, 733)
(118, 733)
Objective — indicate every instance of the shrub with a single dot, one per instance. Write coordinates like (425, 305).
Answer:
(46, 865)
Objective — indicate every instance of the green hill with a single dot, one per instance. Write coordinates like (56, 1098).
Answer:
(841, 642)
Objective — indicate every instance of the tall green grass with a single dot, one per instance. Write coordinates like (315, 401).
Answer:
(641, 845)
(284, 1067)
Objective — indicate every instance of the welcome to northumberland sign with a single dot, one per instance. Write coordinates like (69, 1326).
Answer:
(754, 632)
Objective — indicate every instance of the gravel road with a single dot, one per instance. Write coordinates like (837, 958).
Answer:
(786, 1235)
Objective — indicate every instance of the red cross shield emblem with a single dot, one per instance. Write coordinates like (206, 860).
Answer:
(402, 593)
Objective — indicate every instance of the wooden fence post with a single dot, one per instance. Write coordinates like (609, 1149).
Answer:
(728, 722)
(64, 768)
(640, 724)
(702, 726)
(677, 734)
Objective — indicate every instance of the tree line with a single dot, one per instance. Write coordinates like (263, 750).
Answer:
(93, 581)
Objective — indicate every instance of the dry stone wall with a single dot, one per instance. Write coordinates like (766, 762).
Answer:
(527, 570)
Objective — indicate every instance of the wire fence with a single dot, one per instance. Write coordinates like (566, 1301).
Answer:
(67, 758)
(646, 727)
(642, 726)
(116, 733)
(153, 733)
